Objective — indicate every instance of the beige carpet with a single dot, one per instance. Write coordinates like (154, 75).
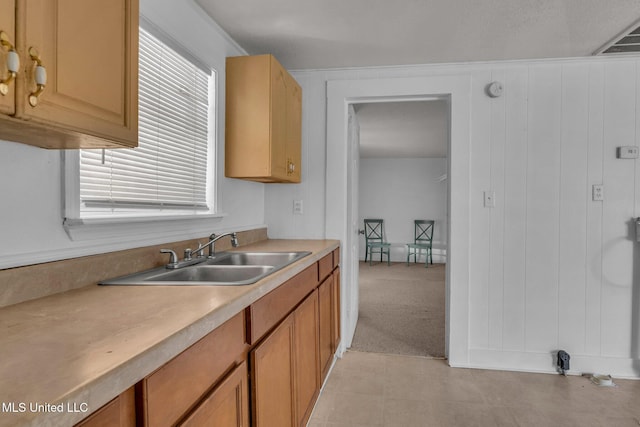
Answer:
(401, 309)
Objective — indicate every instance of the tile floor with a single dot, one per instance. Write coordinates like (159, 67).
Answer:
(370, 389)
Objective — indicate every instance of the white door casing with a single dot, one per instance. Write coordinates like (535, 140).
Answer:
(341, 94)
(352, 293)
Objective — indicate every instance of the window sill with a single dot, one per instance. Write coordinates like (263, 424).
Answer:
(123, 229)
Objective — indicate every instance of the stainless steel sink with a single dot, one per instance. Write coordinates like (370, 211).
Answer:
(220, 275)
(225, 269)
(256, 258)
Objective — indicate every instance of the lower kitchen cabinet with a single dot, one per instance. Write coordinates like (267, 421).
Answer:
(306, 357)
(264, 367)
(226, 406)
(285, 369)
(120, 412)
(171, 393)
(272, 378)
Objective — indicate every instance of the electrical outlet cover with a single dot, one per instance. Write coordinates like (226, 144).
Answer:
(628, 152)
(297, 207)
(597, 192)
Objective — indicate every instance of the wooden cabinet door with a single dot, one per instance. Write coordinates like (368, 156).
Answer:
(335, 308)
(306, 357)
(294, 129)
(226, 406)
(8, 26)
(263, 120)
(248, 98)
(120, 412)
(326, 318)
(329, 311)
(279, 100)
(90, 51)
(272, 378)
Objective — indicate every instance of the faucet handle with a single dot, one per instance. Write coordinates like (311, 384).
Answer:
(187, 254)
(234, 240)
(173, 257)
(200, 251)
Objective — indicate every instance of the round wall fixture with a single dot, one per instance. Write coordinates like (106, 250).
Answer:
(494, 89)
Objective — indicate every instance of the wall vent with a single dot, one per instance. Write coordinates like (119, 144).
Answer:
(626, 42)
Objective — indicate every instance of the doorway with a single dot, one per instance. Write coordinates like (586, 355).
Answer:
(403, 149)
(342, 223)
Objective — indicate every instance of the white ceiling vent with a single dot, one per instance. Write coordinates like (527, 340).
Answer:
(626, 42)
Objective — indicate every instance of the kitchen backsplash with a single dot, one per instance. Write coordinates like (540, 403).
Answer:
(39, 280)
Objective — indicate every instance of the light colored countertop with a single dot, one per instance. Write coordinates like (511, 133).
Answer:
(86, 346)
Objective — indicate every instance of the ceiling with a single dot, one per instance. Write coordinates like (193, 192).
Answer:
(319, 34)
(404, 129)
(311, 34)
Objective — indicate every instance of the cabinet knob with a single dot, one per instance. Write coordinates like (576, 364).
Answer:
(13, 63)
(291, 167)
(40, 77)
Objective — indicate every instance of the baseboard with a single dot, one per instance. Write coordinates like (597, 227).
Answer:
(545, 363)
(399, 254)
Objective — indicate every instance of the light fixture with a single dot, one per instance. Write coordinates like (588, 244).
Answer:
(494, 89)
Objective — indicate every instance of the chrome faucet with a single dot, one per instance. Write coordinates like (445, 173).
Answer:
(213, 239)
(173, 260)
(188, 260)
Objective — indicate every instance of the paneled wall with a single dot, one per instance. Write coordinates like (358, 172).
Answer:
(400, 190)
(550, 268)
(554, 268)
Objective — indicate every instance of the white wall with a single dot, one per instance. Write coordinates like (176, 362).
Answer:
(31, 213)
(400, 190)
(279, 198)
(549, 268)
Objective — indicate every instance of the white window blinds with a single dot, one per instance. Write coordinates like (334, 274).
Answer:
(168, 169)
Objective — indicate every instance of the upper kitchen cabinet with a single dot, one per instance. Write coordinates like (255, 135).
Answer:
(263, 120)
(9, 61)
(77, 85)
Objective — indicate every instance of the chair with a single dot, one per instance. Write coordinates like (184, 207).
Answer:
(374, 239)
(422, 240)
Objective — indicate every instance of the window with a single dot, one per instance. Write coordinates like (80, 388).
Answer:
(170, 172)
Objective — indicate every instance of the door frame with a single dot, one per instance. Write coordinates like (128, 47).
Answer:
(338, 200)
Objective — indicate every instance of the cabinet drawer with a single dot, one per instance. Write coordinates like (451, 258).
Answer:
(269, 310)
(177, 386)
(325, 266)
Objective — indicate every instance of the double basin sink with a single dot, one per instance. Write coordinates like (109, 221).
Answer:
(224, 269)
